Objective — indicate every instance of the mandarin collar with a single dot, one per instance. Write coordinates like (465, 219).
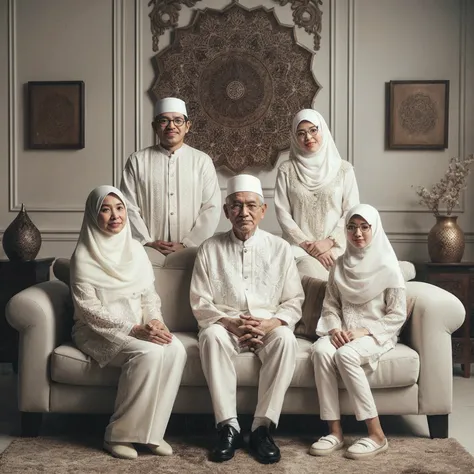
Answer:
(177, 153)
(247, 243)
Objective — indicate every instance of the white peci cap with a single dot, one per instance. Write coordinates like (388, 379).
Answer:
(243, 183)
(170, 104)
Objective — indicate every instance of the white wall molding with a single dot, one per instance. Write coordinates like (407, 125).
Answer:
(332, 68)
(461, 145)
(118, 38)
(350, 82)
(12, 107)
(138, 75)
(118, 75)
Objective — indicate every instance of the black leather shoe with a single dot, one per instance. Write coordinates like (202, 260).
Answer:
(263, 447)
(229, 440)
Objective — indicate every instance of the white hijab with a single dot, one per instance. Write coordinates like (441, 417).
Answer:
(362, 274)
(110, 262)
(314, 169)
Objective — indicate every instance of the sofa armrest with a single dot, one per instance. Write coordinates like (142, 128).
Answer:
(436, 315)
(40, 315)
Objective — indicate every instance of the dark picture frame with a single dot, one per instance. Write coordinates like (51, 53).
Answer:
(56, 114)
(417, 114)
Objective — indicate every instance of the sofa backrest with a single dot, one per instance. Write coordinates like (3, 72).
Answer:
(172, 283)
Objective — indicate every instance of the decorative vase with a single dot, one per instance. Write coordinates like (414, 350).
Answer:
(22, 239)
(446, 240)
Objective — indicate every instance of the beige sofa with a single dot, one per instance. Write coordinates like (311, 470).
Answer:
(55, 377)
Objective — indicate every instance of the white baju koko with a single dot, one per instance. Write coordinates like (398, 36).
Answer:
(112, 290)
(257, 277)
(173, 197)
(313, 193)
(366, 289)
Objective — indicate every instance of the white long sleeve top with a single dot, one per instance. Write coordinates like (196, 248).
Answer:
(257, 277)
(382, 316)
(173, 197)
(306, 215)
(103, 320)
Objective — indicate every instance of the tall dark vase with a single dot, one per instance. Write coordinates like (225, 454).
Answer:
(22, 239)
(446, 240)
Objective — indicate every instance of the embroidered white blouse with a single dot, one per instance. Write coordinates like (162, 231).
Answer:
(103, 319)
(382, 316)
(172, 197)
(257, 277)
(306, 215)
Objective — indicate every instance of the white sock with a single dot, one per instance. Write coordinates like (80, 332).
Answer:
(261, 421)
(232, 422)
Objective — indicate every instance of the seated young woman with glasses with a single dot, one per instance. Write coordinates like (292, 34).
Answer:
(363, 312)
(314, 190)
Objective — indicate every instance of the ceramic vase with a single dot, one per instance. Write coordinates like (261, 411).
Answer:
(446, 240)
(22, 239)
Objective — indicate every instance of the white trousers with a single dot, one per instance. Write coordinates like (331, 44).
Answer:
(218, 348)
(310, 266)
(148, 384)
(327, 362)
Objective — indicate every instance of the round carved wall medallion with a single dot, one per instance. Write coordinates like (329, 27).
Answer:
(243, 77)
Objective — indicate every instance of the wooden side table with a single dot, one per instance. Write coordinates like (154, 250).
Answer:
(458, 279)
(15, 277)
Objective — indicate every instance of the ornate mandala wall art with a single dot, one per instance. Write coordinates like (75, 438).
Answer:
(417, 115)
(306, 14)
(243, 77)
(165, 15)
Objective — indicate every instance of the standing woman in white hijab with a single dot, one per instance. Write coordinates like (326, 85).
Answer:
(314, 190)
(118, 322)
(363, 311)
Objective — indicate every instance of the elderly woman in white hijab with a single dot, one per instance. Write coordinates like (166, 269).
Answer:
(313, 192)
(118, 323)
(363, 311)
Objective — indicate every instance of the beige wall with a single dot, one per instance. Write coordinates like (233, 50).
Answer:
(107, 44)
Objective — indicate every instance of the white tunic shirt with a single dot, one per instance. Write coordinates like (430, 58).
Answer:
(383, 317)
(103, 319)
(257, 277)
(172, 197)
(306, 215)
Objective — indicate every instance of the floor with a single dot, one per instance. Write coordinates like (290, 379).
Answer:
(460, 423)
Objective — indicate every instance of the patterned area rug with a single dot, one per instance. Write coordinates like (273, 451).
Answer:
(85, 455)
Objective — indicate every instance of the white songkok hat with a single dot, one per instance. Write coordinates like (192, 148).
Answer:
(170, 104)
(243, 183)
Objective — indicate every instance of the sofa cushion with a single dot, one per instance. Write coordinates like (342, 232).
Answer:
(314, 291)
(61, 270)
(397, 368)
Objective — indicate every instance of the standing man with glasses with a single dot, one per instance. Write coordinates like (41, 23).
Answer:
(171, 189)
(246, 296)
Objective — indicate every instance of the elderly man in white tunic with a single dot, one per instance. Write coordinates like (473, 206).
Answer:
(173, 195)
(246, 295)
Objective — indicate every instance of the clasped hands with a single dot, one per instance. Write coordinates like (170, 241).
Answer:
(339, 337)
(249, 329)
(165, 247)
(154, 331)
(321, 251)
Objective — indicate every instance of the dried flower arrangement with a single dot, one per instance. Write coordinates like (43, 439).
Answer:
(449, 188)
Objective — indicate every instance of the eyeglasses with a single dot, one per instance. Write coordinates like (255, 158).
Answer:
(164, 122)
(351, 228)
(238, 206)
(313, 131)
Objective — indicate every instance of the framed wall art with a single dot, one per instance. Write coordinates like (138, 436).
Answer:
(56, 115)
(417, 115)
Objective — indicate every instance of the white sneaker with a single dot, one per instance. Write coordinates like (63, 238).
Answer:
(121, 450)
(326, 445)
(366, 448)
(162, 449)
